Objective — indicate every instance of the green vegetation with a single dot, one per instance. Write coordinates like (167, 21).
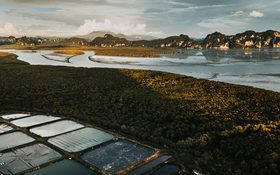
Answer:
(213, 127)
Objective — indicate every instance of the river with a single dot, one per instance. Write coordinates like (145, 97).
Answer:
(256, 68)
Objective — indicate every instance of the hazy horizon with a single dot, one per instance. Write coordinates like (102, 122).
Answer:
(159, 18)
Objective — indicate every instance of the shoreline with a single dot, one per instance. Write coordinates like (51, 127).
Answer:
(102, 51)
(127, 51)
(134, 64)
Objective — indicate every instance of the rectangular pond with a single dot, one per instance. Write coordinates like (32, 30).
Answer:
(117, 155)
(64, 167)
(81, 139)
(14, 116)
(4, 128)
(167, 170)
(26, 158)
(150, 165)
(56, 128)
(14, 139)
(34, 120)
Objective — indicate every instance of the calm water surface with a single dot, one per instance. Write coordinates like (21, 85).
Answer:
(256, 68)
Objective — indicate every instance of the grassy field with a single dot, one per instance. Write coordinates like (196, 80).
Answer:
(213, 127)
(108, 51)
(132, 52)
(9, 58)
(69, 52)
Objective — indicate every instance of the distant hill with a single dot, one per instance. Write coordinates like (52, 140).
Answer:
(109, 40)
(43, 41)
(247, 39)
(7, 40)
(182, 41)
(91, 36)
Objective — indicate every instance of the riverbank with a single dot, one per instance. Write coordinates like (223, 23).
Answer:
(69, 52)
(105, 51)
(216, 128)
(9, 58)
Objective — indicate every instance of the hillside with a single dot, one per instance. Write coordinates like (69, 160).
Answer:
(91, 36)
(182, 41)
(248, 39)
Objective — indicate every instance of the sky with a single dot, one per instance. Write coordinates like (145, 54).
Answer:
(159, 18)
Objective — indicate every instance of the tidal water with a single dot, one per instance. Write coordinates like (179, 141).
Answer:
(254, 67)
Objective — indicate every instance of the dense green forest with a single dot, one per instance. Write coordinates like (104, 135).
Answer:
(213, 127)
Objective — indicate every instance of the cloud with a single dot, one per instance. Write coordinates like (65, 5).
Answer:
(9, 29)
(119, 3)
(238, 13)
(178, 4)
(67, 18)
(193, 8)
(218, 23)
(88, 26)
(256, 14)
(222, 25)
(183, 8)
(59, 16)
(108, 25)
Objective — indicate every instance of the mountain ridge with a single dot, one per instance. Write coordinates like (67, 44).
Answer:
(247, 39)
(216, 40)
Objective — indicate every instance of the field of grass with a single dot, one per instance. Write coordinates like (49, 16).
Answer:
(69, 52)
(108, 51)
(9, 58)
(132, 52)
(213, 127)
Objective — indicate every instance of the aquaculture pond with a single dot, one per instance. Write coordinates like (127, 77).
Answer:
(80, 140)
(44, 145)
(5, 128)
(117, 155)
(64, 167)
(34, 120)
(167, 169)
(26, 158)
(150, 165)
(56, 128)
(14, 139)
(14, 116)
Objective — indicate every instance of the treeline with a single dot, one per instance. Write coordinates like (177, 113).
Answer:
(212, 127)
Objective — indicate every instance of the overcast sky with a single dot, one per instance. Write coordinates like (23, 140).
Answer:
(195, 18)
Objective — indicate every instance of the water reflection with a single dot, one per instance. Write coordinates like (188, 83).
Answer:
(26, 158)
(67, 167)
(216, 55)
(253, 67)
